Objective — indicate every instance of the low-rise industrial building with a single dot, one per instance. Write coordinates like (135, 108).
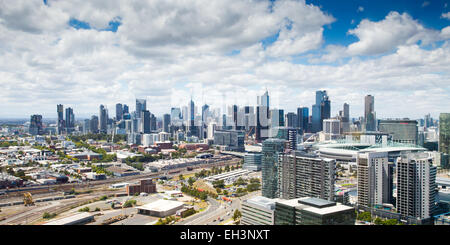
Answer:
(160, 208)
(145, 185)
(73, 220)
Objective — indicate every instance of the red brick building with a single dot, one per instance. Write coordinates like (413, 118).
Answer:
(145, 185)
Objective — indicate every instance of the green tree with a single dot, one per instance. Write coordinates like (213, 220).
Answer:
(191, 181)
(237, 214)
(364, 216)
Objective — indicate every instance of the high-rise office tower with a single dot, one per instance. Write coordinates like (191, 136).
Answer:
(103, 120)
(192, 128)
(86, 126)
(119, 112)
(264, 99)
(175, 113)
(61, 123)
(428, 122)
(345, 118)
(125, 109)
(249, 119)
(369, 113)
(70, 120)
(303, 118)
(262, 117)
(205, 111)
(146, 122)
(166, 122)
(375, 179)
(321, 110)
(141, 105)
(270, 150)
(402, 130)
(94, 125)
(276, 121)
(444, 134)
(325, 109)
(152, 122)
(292, 120)
(305, 175)
(331, 129)
(416, 185)
(262, 123)
(36, 127)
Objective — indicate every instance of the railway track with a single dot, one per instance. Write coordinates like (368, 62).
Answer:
(69, 186)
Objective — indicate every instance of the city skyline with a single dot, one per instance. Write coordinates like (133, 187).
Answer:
(81, 59)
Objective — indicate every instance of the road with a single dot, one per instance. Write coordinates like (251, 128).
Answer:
(217, 210)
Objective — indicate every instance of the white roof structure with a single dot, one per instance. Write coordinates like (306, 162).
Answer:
(162, 205)
(328, 210)
(70, 220)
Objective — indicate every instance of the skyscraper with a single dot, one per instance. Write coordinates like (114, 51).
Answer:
(86, 126)
(262, 117)
(146, 122)
(375, 179)
(192, 128)
(416, 186)
(321, 110)
(70, 120)
(36, 127)
(103, 115)
(276, 120)
(292, 120)
(264, 99)
(444, 134)
(369, 113)
(141, 105)
(119, 112)
(345, 118)
(305, 175)
(303, 118)
(270, 150)
(94, 125)
(166, 122)
(125, 109)
(61, 123)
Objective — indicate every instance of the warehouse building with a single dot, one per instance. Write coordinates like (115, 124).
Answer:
(77, 219)
(161, 208)
(145, 185)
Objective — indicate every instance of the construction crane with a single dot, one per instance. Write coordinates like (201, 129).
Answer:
(27, 199)
(249, 132)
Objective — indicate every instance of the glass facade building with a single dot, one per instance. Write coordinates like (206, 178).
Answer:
(312, 211)
(270, 150)
(402, 131)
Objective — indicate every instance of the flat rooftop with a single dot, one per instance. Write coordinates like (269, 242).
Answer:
(263, 202)
(162, 205)
(71, 219)
(316, 202)
(328, 210)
